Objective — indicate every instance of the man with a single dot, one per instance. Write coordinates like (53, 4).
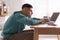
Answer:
(16, 23)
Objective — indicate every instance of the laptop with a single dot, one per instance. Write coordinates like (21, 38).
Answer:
(53, 19)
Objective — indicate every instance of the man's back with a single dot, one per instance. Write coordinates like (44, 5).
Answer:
(12, 26)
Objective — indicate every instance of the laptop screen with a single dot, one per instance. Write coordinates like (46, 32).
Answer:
(54, 17)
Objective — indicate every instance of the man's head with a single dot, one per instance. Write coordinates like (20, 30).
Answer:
(27, 10)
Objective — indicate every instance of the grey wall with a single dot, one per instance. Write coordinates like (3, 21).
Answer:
(13, 5)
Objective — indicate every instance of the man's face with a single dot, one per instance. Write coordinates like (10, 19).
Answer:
(27, 11)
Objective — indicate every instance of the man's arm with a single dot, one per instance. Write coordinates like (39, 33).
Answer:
(36, 18)
(26, 20)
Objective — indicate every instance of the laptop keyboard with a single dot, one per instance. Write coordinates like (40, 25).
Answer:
(52, 24)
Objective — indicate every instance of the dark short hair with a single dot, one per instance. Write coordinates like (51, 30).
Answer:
(26, 5)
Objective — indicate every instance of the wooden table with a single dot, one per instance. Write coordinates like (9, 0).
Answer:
(45, 29)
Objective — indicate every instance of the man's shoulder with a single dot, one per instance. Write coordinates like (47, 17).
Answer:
(17, 11)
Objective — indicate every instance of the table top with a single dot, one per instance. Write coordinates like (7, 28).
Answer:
(44, 26)
(47, 29)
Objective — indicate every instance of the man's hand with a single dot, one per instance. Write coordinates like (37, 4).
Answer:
(44, 20)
